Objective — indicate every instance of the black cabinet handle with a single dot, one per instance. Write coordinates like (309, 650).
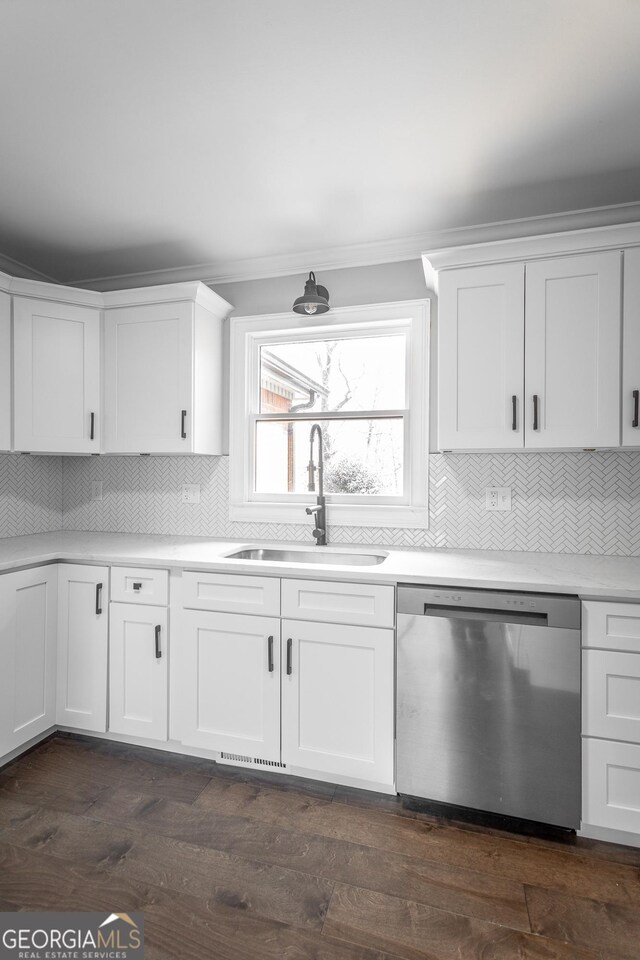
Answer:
(137, 587)
(289, 652)
(183, 429)
(270, 652)
(158, 651)
(636, 403)
(514, 412)
(93, 423)
(535, 411)
(98, 598)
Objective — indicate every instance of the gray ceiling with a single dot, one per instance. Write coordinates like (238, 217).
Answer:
(142, 135)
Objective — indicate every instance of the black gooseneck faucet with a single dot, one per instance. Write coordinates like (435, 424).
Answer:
(320, 509)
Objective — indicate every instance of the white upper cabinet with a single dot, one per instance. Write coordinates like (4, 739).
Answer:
(481, 357)
(572, 351)
(5, 371)
(164, 372)
(529, 345)
(631, 350)
(56, 349)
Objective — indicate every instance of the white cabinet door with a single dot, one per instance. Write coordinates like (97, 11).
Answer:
(631, 350)
(27, 655)
(56, 350)
(229, 687)
(148, 379)
(138, 691)
(481, 357)
(337, 699)
(83, 607)
(572, 351)
(611, 784)
(611, 695)
(5, 371)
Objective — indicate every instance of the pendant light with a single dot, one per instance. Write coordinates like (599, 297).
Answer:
(314, 300)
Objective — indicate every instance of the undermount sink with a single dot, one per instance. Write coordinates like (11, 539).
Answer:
(308, 556)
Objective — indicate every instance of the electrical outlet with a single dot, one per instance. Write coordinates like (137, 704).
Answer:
(191, 493)
(498, 498)
(96, 489)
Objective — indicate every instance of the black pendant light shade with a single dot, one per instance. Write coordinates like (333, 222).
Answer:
(314, 300)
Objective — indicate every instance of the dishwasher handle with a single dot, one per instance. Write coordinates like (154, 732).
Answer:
(485, 613)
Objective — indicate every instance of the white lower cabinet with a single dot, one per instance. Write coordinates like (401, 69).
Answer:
(138, 679)
(230, 689)
(28, 601)
(313, 695)
(337, 699)
(611, 720)
(611, 785)
(83, 616)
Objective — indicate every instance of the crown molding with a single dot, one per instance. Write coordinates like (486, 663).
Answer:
(195, 291)
(568, 242)
(369, 254)
(15, 268)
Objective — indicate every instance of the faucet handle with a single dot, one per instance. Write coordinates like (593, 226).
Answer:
(318, 532)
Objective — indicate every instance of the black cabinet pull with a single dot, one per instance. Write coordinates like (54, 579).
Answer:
(270, 652)
(535, 411)
(93, 423)
(636, 403)
(98, 598)
(514, 412)
(289, 653)
(183, 429)
(158, 651)
(137, 587)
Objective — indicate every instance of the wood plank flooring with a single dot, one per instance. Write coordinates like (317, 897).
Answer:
(232, 864)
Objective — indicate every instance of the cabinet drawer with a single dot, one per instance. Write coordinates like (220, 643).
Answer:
(137, 585)
(362, 604)
(611, 695)
(228, 593)
(611, 626)
(611, 784)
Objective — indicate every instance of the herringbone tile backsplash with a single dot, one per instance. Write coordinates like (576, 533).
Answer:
(562, 503)
(30, 494)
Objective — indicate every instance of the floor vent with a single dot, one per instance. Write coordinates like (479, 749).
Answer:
(238, 758)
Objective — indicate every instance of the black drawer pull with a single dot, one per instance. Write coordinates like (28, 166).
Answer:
(93, 423)
(535, 411)
(137, 587)
(636, 403)
(514, 412)
(98, 598)
(158, 651)
(289, 657)
(183, 429)
(270, 653)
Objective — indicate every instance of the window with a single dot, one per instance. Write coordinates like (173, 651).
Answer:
(361, 373)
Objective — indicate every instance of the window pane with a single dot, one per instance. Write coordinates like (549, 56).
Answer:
(356, 373)
(361, 457)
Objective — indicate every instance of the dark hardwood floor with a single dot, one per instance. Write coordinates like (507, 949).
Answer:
(231, 864)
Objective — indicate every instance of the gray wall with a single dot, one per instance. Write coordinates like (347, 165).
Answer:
(347, 288)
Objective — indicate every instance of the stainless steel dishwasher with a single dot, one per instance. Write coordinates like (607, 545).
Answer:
(488, 702)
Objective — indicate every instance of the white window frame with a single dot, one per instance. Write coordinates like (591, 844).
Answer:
(249, 334)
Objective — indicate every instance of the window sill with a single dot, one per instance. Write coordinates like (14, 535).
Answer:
(342, 515)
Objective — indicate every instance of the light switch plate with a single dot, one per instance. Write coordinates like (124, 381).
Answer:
(96, 489)
(191, 493)
(498, 498)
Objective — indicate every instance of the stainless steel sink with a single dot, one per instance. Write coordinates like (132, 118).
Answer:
(330, 557)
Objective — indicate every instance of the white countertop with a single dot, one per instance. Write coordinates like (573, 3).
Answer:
(589, 577)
